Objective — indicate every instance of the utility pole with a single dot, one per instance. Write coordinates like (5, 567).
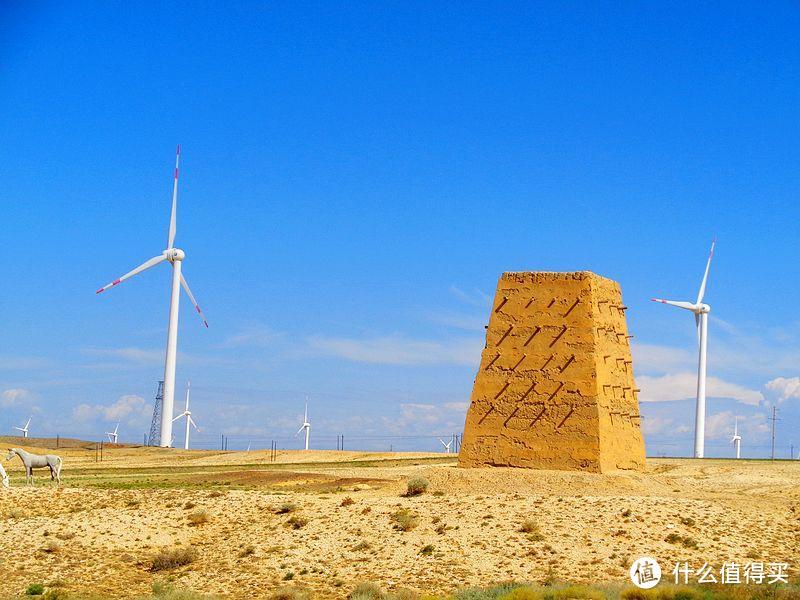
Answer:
(774, 410)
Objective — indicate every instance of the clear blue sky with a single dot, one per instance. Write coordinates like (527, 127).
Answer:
(354, 180)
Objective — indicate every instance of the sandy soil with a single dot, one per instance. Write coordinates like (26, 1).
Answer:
(590, 527)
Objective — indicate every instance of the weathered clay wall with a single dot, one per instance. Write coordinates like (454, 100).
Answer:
(555, 387)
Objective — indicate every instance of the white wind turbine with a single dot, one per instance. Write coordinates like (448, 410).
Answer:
(700, 311)
(446, 446)
(306, 425)
(174, 256)
(736, 440)
(187, 413)
(24, 430)
(112, 435)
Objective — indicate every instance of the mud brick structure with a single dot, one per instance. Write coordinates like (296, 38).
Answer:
(555, 387)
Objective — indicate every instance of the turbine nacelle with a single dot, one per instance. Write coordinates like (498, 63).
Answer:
(173, 254)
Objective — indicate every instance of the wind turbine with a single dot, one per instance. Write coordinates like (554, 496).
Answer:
(737, 439)
(446, 446)
(24, 430)
(112, 435)
(187, 413)
(175, 256)
(700, 311)
(306, 425)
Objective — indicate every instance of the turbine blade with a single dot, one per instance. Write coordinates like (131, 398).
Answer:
(191, 297)
(191, 420)
(142, 267)
(705, 275)
(685, 305)
(298, 431)
(179, 417)
(172, 224)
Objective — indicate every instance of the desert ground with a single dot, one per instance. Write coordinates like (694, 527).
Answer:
(324, 521)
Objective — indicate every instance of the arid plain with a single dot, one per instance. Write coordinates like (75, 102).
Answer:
(326, 520)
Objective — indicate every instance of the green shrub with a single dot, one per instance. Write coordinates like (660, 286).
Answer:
(522, 593)
(427, 550)
(286, 508)
(297, 522)
(405, 520)
(492, 593)
(289, 593)
(417, 486)
(165, 591)
(34, 589)
(574, 592)
(366, 591)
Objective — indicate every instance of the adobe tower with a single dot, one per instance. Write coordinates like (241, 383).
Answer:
(555, 387)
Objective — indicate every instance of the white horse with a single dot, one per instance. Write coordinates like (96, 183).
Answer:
(4, 476)
(37, 461)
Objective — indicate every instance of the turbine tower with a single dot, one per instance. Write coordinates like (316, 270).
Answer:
(306, 425)
(175, 257)
(700, 311)
(112, 435)
(446, 446)
(24, 430)
(737, 439)
(187, 413)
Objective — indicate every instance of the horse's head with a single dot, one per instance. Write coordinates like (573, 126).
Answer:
(11, 453)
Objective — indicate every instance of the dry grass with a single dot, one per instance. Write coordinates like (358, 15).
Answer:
(285, 508)
(172, 558)
(199, 517)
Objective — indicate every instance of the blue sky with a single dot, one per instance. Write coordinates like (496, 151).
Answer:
(355, 178)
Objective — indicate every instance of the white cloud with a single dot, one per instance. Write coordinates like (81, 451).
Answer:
(784, 388)
(256, 335)
(147, 356)
(653, 425)
(683, 386)
(460, 321)
(23, 363)
(474, 298)
(398, 350)
(13, 397)
(129, 408)
(651, 358)
(131, 354)
(720, 425)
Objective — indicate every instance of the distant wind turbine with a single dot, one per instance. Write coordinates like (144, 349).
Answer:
(112, 435)
(700, 311)
(175, 256)
(736, 440)
(306, 425)
(189, 421)
(24, 430)
(446, 445)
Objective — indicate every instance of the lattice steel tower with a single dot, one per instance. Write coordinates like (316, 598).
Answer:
(154, 439)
